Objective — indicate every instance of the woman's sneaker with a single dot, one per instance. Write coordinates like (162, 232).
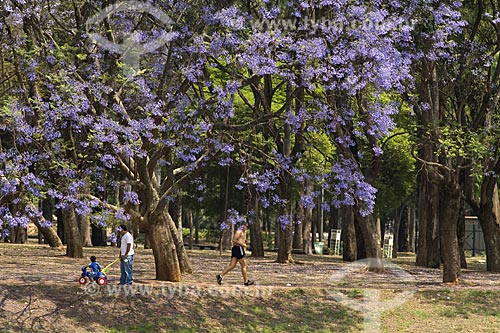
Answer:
(219, 279)
(249, 283)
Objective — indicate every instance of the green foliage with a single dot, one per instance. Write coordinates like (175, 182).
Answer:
(319, 153)
(397, 180)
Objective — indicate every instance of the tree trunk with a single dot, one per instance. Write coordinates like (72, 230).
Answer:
(197, 229)
(403, 234)
(98, 236)
(334, 224)
(320, 221)
(449, 214)
(307, 232)
(297, 242)
(360, 241)
(285, 230)
(60, 226)
(184, 262)
(334, 216)
(256, 242)
(428, 191)
(226, 239)
(18, 235)
(285, 240)
(257, 246)
(84, 227)
(411, 229)
(74, 248)
(307, 223)
(348, 235)
(489, 218)
(461, 235)
(371, 238)
(50, 235)
(39, 236)
(189, 216)
(428, 252)
(147, 244)
(269, 232)
(277, 227)
(397, 224)
(285, 244)
(182, 257)
(164, 251)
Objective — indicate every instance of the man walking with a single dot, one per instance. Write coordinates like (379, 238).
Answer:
(126, 256)
(238, 255)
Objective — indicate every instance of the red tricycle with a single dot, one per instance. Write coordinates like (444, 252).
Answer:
(96, 273)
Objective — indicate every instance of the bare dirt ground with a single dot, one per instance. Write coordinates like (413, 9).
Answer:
(39, 291)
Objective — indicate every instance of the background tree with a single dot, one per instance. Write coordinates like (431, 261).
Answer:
(451, 113)
(474, 97)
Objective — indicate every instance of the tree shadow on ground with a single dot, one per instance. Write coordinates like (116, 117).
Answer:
(71, 308)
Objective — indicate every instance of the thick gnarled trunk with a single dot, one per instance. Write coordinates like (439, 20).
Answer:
(85, 230)
(74, 246)
(164, 250)
(371, 239)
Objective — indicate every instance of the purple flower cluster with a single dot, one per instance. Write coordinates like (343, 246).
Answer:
(131, 197)
(113, 238)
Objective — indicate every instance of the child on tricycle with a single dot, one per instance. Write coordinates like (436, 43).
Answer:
(94, 274)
